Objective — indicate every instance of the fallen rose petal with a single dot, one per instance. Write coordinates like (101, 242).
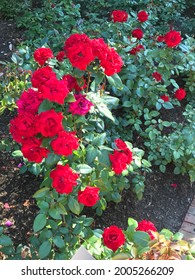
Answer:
(174, 185)
(8, 223)
(6, 206)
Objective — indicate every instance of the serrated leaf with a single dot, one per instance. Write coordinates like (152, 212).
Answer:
(41, 193)
(115, 81)
(45, 106)
(99, 140)
(58, 241)
(5, 240)
(91, 154)
(52, 159)
(39, 222)
(17, 153)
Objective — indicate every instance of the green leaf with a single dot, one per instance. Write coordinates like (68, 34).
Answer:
(158, 106)
(167, 105)
(167, 233)
(146, 163)
(132, 223)
(84, 168)
(39, 222)
(162, 168)
(127, 104)
(53, 212)
(17, 153)
(70, 98)
(103, 109)
(52, 159)
(141, 238)
(74, 206)
(91, 154)
(41, 193)
(45, 106)
(115, 81)
(58, 241)
(178, 236)
(5, 240)
(44, 249)
(99, 140)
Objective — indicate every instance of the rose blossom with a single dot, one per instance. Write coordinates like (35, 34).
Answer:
(89, 196)
(29, 101)
(73, 84)
(65, 143)
(63, 179)
(41, 76)
(32, 150)
(54, 90)
(111, 62)
(157, 76)
(81, 106)
(49, 123)
(41, 55)
(142, 16)
(172, 38)
(137, 49)
(165, 98)
(119, 16)
(137, 33)
(113, 237)
(180, 94)
(147, 226)
(60, 56)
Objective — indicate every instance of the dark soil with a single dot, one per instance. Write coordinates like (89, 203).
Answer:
(163, 204)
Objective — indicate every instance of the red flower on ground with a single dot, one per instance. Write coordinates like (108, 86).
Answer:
(32, 150)
(63, 179)
(137, 33)
(157, 76)
(119, 16)
(172, 38)
(49, 123)
(148, 227)
(23, 126)
(60, 56)
(142, 16)
(54, 90)
(41, 55)
(165, 98)
(81, 106)
(78, 50)
(41, 76)
(65, 143)
(113, 237)
(89, 196)
(180, 94)
(29, 101)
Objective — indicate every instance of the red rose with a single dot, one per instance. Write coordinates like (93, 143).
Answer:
(157, 76)
(64, 179)
(121, 157)
(119, 16)
(32, 150)
(137, 49)
(78, 50)
(160, 38)
(89, 196)
(142, 16)
(165, 98)
(81, 106)
(113, 237)
(111, 62)
(54, 90)
(147, 226)
(180, 94)
(60, 56)
(41, 76)
(41, 55)
(172, 38)
(100, 48)
(23, 126)
(137, 33)
(73, 84)
(65, 143)
(29, 101)
(49, 123)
